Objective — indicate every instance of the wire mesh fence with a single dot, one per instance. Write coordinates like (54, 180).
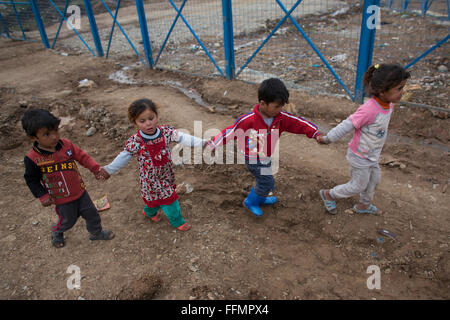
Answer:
(310, 44)
(16, 20)
(288, 54)
(187, 35)
(408, 29)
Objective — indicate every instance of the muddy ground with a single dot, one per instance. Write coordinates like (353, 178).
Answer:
(295, 251)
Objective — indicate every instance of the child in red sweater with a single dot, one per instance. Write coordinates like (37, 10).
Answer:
(257, 134)
(52, 175)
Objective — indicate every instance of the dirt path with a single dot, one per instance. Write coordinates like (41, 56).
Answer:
(295, 251)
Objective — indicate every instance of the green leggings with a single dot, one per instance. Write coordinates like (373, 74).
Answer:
(172, 211)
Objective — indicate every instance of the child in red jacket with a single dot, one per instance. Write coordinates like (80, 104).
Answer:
(52, 175)
(257, 134)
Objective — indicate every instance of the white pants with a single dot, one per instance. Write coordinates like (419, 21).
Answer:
(365, 175)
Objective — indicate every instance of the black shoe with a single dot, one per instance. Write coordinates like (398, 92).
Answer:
(57, 239)
(102, 235)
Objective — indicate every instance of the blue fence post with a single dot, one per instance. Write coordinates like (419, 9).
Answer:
(144, 32)
(228, 41)
(112, 29)
(93, 24)
(18, 19)
(366, 44)
(40, 24)
(448, 9)
(5, 27)
(60, 23)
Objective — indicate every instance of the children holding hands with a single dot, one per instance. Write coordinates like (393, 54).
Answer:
(52, 175)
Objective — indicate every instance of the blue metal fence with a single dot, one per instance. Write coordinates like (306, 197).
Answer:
(421, 52)
(417, 12)
(323, 46)
(12, 17)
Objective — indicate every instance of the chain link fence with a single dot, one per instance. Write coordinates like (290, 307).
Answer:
(408, 29)
(310, 44)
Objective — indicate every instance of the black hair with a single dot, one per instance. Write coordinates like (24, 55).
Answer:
(35, 119)
(273, 89)
(380, 78)
(139, 106)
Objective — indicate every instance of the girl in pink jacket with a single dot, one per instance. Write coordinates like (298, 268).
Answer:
(369, 124)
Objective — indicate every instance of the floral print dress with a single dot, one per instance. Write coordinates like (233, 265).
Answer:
(156, 174)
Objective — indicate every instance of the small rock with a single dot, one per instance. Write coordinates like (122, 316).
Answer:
(189, 188)
(193, 268)
(340, 11)
(35, 223)
(442, 68)
(91, 131)
(86, 83)
(339, 58)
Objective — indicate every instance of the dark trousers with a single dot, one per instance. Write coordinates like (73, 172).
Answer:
(262, 171)
(70, 212)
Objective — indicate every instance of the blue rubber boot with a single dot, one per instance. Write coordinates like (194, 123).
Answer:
(269, 200)
(252, 203)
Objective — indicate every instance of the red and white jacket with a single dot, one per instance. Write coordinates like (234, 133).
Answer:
(256, 139)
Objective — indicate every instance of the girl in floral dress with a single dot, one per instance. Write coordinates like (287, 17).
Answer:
(151, 146)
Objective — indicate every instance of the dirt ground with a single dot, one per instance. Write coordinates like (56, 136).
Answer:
(294, 251)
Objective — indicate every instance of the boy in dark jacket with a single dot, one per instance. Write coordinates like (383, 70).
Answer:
(52, 175)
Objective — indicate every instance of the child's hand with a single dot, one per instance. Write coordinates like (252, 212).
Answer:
(212, 150)
(48, 202)
(102, 174)
(321, 140)
(210, 146)
(205, 144)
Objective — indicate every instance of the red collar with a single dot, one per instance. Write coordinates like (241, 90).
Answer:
(384, 105)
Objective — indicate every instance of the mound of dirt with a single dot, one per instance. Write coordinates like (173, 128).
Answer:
(146, 287)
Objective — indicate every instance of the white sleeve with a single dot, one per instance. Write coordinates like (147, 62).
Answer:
(339, 131)
(191, 141)
(119, 162)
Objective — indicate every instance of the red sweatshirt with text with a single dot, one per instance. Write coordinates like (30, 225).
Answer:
(55, 174)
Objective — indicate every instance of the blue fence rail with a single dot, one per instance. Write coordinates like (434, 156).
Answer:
(309, 44)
